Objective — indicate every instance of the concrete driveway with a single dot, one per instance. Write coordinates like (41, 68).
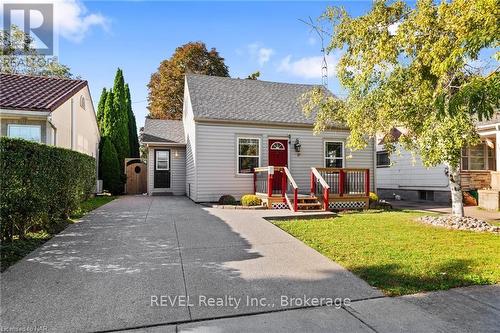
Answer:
(132, 264)
(110, 271)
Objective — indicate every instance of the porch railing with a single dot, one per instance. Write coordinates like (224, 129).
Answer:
(342, 181)
(276, 181)
(290, 188)
(319, 187)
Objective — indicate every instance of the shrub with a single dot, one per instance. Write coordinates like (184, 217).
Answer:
(40, 185)
(373, 197)
(109, 167)
(227, 199)
(250, 200)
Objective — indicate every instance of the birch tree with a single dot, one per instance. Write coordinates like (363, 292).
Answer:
(415, 68)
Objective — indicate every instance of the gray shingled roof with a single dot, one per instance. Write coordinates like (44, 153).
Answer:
(223, 98)
(165, 131)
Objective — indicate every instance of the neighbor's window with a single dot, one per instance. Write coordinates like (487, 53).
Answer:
(248, 154)
(162, 160)
(27, 132)
(383, 159)
(334, 154)
(480, 157)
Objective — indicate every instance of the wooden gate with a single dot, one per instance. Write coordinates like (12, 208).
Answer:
(137, 176)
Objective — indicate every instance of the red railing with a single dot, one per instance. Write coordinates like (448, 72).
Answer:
(273, 180)
(343, 181)
(317, 182)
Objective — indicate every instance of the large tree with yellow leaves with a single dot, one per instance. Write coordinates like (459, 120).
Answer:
(415, 68)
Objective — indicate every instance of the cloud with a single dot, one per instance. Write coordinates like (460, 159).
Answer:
(309, 67)
(264, 55)
(260, 53)
(72, 20)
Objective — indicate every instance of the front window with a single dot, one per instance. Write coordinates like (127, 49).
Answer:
(383, 159)
(248, 154)
(162, 160)
(26, 132)
(334, 154)
(480, 157)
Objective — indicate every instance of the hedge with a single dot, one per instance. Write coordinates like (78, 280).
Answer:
(40, 185)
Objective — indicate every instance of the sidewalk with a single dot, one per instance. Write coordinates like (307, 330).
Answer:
(471, 309)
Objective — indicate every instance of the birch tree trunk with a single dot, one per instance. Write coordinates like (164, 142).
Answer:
(457, 205)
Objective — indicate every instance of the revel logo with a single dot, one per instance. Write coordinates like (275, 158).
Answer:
(35, 20)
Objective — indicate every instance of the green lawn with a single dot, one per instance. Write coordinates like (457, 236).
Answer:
(394, 253)
(90, 205)
(12, 252)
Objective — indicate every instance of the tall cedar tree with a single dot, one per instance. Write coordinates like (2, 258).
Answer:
(132, 127)
(100, 107)
(110, 167)
(119, 130)
(413, 67)
(166, 87)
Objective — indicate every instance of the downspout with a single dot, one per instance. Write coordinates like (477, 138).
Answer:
(497, 147)
(374, 189)
(72, 126)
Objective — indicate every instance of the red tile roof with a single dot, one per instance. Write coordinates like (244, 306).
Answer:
(36, 93)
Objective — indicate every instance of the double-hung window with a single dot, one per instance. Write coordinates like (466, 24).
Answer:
(162, 160)
(248, 154)
(334, 154)
(480, 157)
(26, 132)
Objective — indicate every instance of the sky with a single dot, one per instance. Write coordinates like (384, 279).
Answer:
(97, 37)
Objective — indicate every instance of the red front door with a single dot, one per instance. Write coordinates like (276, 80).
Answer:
(278, 156)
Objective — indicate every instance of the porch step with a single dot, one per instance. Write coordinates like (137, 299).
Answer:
(309, 203)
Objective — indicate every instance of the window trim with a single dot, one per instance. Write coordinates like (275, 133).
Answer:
(25, 125)
(486, 158)
(279, 143)
(329, 158)
(156, 159)
(259, 155)
(388, 157)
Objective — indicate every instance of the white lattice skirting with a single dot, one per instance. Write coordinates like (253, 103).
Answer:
(347, 205)
(279, 205)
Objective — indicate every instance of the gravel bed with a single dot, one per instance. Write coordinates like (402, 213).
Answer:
(459, 223)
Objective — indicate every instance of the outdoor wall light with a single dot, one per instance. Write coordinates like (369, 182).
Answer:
(297, 145)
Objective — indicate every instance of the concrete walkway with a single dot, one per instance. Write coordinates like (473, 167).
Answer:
(109, 273)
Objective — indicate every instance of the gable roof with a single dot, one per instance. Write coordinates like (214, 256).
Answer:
(223, 98)
(495, 119)
(36, 93)
(393, 136)
(163, 131)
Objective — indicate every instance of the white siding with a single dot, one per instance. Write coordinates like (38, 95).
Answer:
(216, 153)
(408, 173)
(177, 171)
(190, 137)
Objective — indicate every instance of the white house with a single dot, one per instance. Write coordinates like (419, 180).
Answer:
(53, 111)
(250, 136)
(403, 174)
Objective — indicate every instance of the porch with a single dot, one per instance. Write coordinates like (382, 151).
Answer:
(480, 165)
(330, 189)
